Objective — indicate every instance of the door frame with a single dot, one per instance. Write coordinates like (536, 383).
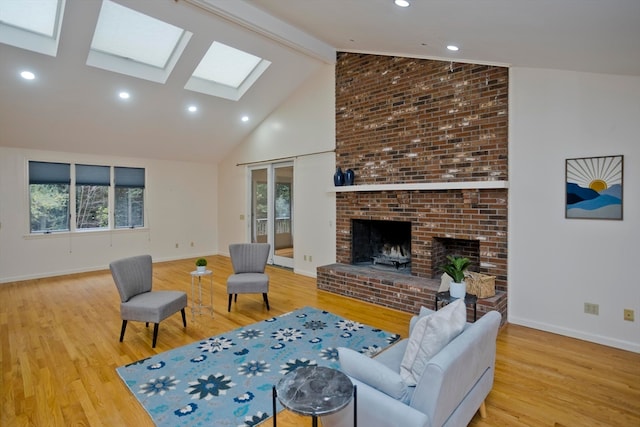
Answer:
(270, 171)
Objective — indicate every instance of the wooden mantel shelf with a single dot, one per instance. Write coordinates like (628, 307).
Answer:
(461, 185)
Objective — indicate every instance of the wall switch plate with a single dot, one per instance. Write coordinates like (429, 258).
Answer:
(629, 315)
(591, 308)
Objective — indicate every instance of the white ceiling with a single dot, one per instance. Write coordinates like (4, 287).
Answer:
(73, 107)
(601, 36)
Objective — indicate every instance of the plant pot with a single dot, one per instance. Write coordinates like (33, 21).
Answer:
(201, 268)
(457, 290)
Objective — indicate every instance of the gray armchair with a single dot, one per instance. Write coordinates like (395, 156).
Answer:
(249, 261)
(133, 278)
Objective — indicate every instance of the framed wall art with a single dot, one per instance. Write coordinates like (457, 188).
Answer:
(594, 187)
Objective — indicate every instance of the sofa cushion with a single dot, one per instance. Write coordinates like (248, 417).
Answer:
(430, 335)
(374, 374)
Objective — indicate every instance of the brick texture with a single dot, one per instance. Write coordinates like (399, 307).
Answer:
(406, 120)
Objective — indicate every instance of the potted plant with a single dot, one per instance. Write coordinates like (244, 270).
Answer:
(455, 268)
(201, 265)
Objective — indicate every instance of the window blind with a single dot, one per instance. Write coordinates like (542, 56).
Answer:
(93, 175)
(49, 173)
(129, 177)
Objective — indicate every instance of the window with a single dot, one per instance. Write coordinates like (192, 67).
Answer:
(129, 197)
(49, 196)
(92, 196)
(63, 201)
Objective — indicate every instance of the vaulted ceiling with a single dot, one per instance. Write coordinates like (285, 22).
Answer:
(74, 107)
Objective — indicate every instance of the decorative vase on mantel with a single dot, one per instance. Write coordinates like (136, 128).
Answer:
(338, 177)
(349, 177)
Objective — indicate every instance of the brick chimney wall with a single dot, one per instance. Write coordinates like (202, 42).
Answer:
(406, 120)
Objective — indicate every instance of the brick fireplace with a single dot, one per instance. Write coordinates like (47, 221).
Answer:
(428, 142)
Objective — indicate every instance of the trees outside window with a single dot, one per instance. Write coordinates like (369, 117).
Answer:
(129, 207)
(92, 206)
(92, 196)
(129, 203)
(49, 207)
(51, 200)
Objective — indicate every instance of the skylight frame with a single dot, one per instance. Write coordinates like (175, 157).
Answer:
(119, 60)
(24, 38)
(210, 82)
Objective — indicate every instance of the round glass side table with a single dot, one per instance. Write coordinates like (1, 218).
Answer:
(197, 304)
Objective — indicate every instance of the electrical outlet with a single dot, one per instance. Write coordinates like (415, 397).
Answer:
(590, 308)
(628, 315)
(177, 245)
(305, 257)
(191, 244)
(310, 258)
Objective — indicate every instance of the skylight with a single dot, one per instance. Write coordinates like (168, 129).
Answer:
(225, 65)
(226, 72)
(32, 24)
(135, 44)
(128, 42)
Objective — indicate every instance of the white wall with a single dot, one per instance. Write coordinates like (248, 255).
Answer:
(558, 264)
(180, 201)
(301, 127)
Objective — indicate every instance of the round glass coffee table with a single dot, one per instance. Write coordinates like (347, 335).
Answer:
(314, 390)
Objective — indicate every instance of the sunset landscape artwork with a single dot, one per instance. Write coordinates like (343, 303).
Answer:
(594, 187)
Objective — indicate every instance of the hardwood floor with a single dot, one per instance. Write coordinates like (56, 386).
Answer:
(59, 350)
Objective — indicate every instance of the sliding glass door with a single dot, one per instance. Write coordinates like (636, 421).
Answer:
(272, 210)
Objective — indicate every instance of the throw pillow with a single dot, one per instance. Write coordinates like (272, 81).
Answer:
(445, 282)
(373, 373)
(424, 311)
(430, 335)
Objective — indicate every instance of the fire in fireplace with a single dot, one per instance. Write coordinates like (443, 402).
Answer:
(381, 243)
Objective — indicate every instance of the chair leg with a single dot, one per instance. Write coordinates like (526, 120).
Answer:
(235, 299)
(230, 298)
(184, 318)
(483, 410)
(146, 324)
(155, 334)
(124, 326)
(266, 300)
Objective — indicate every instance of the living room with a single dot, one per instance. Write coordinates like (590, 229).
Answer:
(196, 207)
(554, 114)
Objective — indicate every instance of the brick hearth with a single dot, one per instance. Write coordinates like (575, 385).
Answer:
(400, 291)
(407, 121)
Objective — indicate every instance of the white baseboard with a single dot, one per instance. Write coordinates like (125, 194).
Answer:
(598, 339)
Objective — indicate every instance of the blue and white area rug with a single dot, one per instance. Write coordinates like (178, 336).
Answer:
(227, 380)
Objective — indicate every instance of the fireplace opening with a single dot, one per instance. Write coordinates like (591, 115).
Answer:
(384, 244)
(442, 247)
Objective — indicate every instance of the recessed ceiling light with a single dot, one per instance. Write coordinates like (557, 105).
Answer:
(401, 3)
(192, 108)
(245, 118)
(453, 48)
(27, 75)
(124, 95)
